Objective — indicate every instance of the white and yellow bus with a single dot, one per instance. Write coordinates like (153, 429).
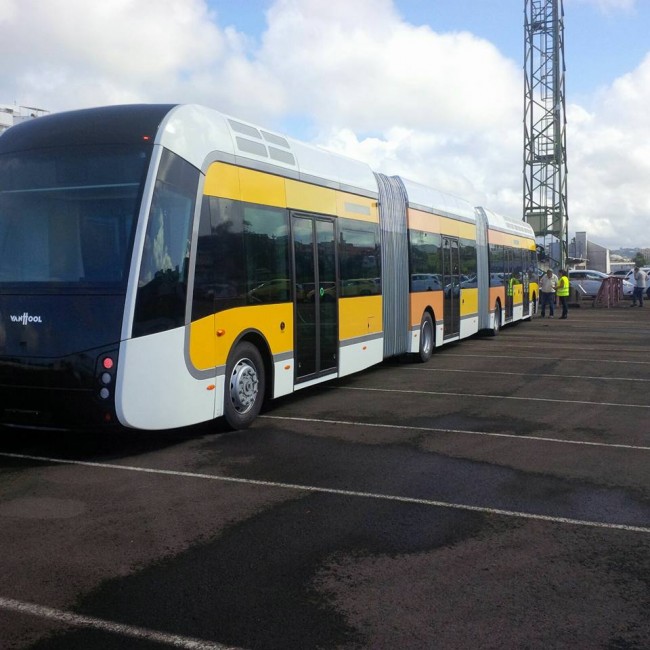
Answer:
(165, 265)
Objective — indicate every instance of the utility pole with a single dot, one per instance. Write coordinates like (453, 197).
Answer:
(545, 161)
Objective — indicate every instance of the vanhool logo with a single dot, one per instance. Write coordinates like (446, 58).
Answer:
(25, 318)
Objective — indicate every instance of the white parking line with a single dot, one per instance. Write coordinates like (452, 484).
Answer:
(499, 397)
(61, 616)
(547, 358)
(337, 492)
(584, 443)
(520, 374)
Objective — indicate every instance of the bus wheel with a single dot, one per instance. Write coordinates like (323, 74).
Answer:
(427, 338)
(245, 386)
(496, 325)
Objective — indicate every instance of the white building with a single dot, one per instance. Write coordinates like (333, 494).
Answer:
(10, 115)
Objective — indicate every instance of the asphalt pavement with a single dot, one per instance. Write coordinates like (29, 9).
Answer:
(497, 496)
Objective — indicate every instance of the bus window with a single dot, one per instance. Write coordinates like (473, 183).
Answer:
(66, 216)
(468, 264)
(359, 259)
(424, 251)
(497, 266)
(242, 256)
(160, 303)
(266, 254)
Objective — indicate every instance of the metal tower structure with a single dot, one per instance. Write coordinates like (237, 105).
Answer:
(545, 166)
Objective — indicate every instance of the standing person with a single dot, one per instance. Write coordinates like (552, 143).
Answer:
(640, 280)
(547, 286)
(563, 292)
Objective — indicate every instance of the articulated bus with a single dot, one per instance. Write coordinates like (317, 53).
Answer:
(166, 265)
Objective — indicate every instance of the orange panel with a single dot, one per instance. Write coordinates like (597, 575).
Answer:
(421, 301)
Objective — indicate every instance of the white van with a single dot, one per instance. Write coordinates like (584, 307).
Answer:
(630, 278)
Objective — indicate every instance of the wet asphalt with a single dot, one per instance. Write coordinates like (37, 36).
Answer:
(497, 496)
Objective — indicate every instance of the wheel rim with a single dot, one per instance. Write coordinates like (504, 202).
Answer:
(427, 337)
(497, 320)
(244, 386)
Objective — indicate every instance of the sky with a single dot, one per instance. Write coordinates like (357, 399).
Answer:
(432, 90)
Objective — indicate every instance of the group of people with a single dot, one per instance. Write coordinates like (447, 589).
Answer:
(550, 287)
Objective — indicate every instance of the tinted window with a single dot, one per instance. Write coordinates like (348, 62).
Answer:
(468, 263)
(162, 283)
(242, 256)
(67, 216)
(497, 265)
(425, 262)
(359, 258)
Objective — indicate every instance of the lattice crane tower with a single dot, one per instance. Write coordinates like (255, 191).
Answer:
(545, 168)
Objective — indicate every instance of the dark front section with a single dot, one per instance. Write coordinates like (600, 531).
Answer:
(58, 360)
(71, 187)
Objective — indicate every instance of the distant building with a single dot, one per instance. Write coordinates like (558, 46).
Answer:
(10, 115)
(595, 256)
(583, 254)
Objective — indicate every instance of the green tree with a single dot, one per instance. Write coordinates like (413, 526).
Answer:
(639, 259)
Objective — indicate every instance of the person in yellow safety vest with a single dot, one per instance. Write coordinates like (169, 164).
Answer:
(563, 292)
(514, 279)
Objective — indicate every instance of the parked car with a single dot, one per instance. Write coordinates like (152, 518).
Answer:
(587, 282)
(630, 278)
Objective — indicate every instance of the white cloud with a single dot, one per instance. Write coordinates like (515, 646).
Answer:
(442, 108)
(609, 162)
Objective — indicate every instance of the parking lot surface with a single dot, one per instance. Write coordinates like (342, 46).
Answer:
(497, 496)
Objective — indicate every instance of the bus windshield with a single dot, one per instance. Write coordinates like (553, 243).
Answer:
(67, 216)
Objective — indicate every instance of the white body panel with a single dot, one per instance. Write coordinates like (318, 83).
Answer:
(158, 392)
(283, 377)
(360, 356)
(468, 326)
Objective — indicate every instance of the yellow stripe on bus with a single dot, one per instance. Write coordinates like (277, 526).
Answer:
(359, 316)
(468, 301)
(212, 338)
(434, 223)
(504, 239)
(311, 198)
(223, 180)
(242, 184)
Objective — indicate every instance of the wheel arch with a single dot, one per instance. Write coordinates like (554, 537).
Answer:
(256, 338)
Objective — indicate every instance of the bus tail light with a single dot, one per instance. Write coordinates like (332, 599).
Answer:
(105, 375)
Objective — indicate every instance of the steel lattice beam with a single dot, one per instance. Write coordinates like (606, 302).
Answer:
(545, 168)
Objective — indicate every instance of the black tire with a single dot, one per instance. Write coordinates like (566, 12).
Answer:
(496, 325)
(245, 386)
(427, 338)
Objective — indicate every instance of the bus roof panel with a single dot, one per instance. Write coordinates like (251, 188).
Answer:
(507, 224)
(200, 134)
(340, 171)
(438, 202)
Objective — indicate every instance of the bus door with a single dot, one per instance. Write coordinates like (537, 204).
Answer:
(316, 312)
(510, 280)
(451, 284)
(525, 280)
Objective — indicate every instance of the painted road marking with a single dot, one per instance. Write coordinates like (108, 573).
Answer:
(377, 425)
(61, 616)
(521, 374)
(547, 358)
(499, 397)
(337, 492)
